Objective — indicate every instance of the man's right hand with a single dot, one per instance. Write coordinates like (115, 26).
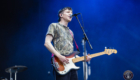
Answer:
(63, 59)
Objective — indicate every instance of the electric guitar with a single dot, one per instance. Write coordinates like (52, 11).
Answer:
(64, 69)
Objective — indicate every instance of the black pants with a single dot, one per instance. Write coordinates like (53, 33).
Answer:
(71, 75)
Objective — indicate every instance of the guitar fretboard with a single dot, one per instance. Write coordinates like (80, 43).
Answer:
(92, 55)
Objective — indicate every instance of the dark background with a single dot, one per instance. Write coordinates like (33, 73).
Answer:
(111, 23)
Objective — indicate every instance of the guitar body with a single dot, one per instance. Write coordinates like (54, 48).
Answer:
(64, 69)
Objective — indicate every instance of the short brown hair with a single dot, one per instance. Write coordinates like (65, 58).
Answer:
(62, 10)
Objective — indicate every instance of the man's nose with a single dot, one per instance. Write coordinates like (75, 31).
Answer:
(70, 14)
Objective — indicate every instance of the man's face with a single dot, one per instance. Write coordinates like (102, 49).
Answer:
(66, 15)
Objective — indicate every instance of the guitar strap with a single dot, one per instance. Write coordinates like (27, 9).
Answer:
(75, 42)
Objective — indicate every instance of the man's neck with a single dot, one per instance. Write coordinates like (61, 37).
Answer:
(64, 23)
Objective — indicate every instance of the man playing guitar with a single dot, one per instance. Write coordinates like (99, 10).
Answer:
(62, 38)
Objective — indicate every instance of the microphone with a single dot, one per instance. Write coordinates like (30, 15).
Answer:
(74, 14)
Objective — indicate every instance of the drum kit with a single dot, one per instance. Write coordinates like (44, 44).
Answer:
(15, 69)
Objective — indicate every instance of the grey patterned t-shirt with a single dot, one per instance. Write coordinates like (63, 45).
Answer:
(62, 38)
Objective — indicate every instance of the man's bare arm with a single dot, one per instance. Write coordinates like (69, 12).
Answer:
(50, 47)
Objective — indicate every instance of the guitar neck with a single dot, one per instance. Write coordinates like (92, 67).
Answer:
(92, 55)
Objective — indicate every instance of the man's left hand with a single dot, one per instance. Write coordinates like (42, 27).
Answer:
(88, 58)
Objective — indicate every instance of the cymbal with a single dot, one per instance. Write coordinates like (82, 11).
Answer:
(16, 69)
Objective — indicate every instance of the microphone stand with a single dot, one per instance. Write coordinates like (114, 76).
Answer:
(85, 38)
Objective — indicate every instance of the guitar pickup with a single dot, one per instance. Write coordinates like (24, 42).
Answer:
(56, 64)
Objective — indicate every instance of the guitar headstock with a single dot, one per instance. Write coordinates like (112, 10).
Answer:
(110, 51)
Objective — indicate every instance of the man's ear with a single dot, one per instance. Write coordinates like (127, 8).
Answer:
(60, 15)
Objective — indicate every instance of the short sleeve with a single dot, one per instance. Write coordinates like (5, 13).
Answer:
(51, 29)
